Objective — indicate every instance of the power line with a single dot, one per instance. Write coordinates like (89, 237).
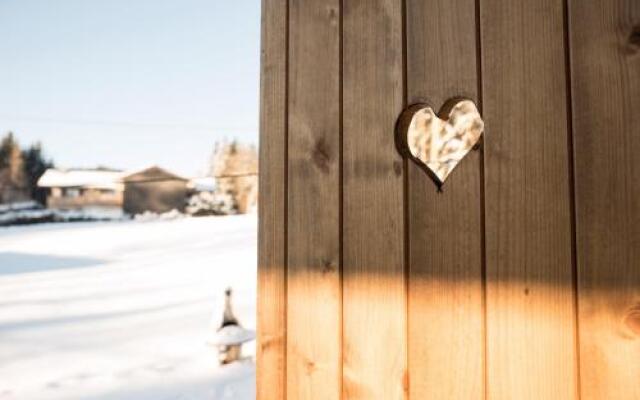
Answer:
(235, 175)
(130, 124)
(226, 176)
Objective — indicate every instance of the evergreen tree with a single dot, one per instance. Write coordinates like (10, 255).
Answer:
(13, 181)
(35, 166)
(7, 147)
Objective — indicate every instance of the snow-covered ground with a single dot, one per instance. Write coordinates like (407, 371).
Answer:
(123, 310)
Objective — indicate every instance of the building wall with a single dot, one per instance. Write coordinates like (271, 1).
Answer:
(159, 197)
(61, 199)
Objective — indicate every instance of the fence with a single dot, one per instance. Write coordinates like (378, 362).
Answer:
(520, 279)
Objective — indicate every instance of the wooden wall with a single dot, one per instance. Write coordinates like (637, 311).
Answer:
(521, 278)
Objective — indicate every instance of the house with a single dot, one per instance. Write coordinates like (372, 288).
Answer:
(154, 189)
(83, 189)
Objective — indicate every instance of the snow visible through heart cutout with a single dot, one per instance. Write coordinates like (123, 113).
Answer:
(438, 145)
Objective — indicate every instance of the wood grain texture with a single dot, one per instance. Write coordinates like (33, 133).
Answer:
(314, 290)
(531, 349)
(374, 292)
(446, 339)
(271, 358)
(605, 42)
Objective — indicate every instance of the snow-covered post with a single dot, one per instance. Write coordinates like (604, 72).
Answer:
(230, 337)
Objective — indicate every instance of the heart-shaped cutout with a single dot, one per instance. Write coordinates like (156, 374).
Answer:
(436, 144)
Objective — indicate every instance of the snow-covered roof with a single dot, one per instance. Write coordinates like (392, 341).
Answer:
(150, 174)
(84, 178)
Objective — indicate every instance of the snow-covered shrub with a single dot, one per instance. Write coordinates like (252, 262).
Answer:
(33, 213)
(19, 206)
(211, 203)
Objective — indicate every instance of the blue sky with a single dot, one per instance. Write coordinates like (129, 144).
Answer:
(128, 83)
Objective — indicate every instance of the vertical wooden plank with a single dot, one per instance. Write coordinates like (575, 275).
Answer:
(374, 293)
(272, 205)
(531, 349)
(446, 338)
(314, 289)
(605, 44)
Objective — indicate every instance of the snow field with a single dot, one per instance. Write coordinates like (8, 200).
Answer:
(123, 310)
